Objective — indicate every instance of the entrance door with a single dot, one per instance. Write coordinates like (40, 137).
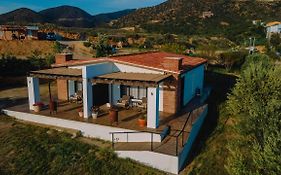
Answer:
(100, 94)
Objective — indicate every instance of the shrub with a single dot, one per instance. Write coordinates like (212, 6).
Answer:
(87, 44)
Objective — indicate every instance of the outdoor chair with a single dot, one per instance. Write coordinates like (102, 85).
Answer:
(124, 102)
(77, 97)
(143, 103)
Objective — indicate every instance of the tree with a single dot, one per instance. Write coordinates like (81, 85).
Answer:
(275, 40)
(255, 102)
(103, 48)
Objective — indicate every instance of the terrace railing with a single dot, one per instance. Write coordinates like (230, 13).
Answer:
(179, 138)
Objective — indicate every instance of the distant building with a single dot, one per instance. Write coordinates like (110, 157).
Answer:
(273, 27)
(9, 32)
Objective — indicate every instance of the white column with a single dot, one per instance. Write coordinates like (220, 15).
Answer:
(153, 107)
(33, 91)
(87, 97)
(71, 87)
(161, 96)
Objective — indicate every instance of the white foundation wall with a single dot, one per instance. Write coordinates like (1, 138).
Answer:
(87, 129)
(159, 161)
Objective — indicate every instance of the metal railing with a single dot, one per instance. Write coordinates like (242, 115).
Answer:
(113, 139)
(179, 136)
(181, 133)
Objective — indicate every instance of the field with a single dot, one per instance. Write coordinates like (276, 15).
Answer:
(28, 149)
(22, 49)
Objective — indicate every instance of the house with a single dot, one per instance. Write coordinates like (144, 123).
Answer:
(9, 32)
(273, 27)
(172, 84)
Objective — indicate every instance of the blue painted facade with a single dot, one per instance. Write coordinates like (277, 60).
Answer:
(192, 80)
(192, 136)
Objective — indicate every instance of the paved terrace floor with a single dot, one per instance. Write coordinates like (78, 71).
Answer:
(127, 119)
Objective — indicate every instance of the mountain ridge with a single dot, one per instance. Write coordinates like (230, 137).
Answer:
(66, 16)
(200, 16)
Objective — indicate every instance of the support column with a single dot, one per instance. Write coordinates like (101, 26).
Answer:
(153, 107)
(115, 93)
(87, 97)
(71, 88)
(62, 86)
(33, 91)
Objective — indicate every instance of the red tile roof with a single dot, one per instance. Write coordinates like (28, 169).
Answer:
(153, 60)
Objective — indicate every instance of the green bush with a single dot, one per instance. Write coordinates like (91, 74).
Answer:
(12, 66)
(87, 44)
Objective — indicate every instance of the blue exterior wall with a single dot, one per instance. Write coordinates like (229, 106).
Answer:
(191, 138)
(192, 80)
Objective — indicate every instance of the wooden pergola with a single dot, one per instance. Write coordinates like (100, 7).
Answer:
(131, 79)
(62, 73)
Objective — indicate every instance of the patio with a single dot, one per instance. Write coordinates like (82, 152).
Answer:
(127, 118)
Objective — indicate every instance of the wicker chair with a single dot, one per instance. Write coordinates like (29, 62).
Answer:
(124, 102)
(143, 103)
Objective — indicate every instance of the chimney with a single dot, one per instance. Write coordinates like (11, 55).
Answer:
(63, 57)
(172, 63)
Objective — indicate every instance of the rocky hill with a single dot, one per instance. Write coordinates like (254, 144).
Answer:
(202, 16)
(21, 16)
(66, 16)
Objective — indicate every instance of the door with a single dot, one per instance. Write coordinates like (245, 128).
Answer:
(100, 94)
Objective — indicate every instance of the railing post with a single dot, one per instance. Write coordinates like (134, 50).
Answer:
(182, 137)
(151, 142)
(177, 143)
(127, 137)
(112, 140)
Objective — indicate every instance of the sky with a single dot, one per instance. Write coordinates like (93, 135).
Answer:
(91, 6)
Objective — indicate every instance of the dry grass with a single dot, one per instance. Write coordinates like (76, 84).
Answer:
(23, 49)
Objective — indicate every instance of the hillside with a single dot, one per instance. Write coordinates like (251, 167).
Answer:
(21, 16)
(107, 17)
(201, 16)
(65, 16)
(68, 16)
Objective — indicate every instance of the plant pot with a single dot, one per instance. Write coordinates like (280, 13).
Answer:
(95, 115)
(113, 115)
(108, 105)
(142, 122)
(36, 108)
(80, 114)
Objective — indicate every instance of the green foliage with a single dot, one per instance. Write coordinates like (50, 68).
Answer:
(103, 48)
(232, 58)
(87, 44)
(174, 48)
(256, 104)
(57, 47)
(275, 40)
(32, 150)
(12, 66)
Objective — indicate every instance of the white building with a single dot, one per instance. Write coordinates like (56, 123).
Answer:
(273, 27)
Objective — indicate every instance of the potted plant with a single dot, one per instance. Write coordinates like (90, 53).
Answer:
(80, 112)
(113, 114)
(95, 112)
(142, 121)
(37, 106)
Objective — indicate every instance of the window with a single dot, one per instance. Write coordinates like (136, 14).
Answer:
(135, 92)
